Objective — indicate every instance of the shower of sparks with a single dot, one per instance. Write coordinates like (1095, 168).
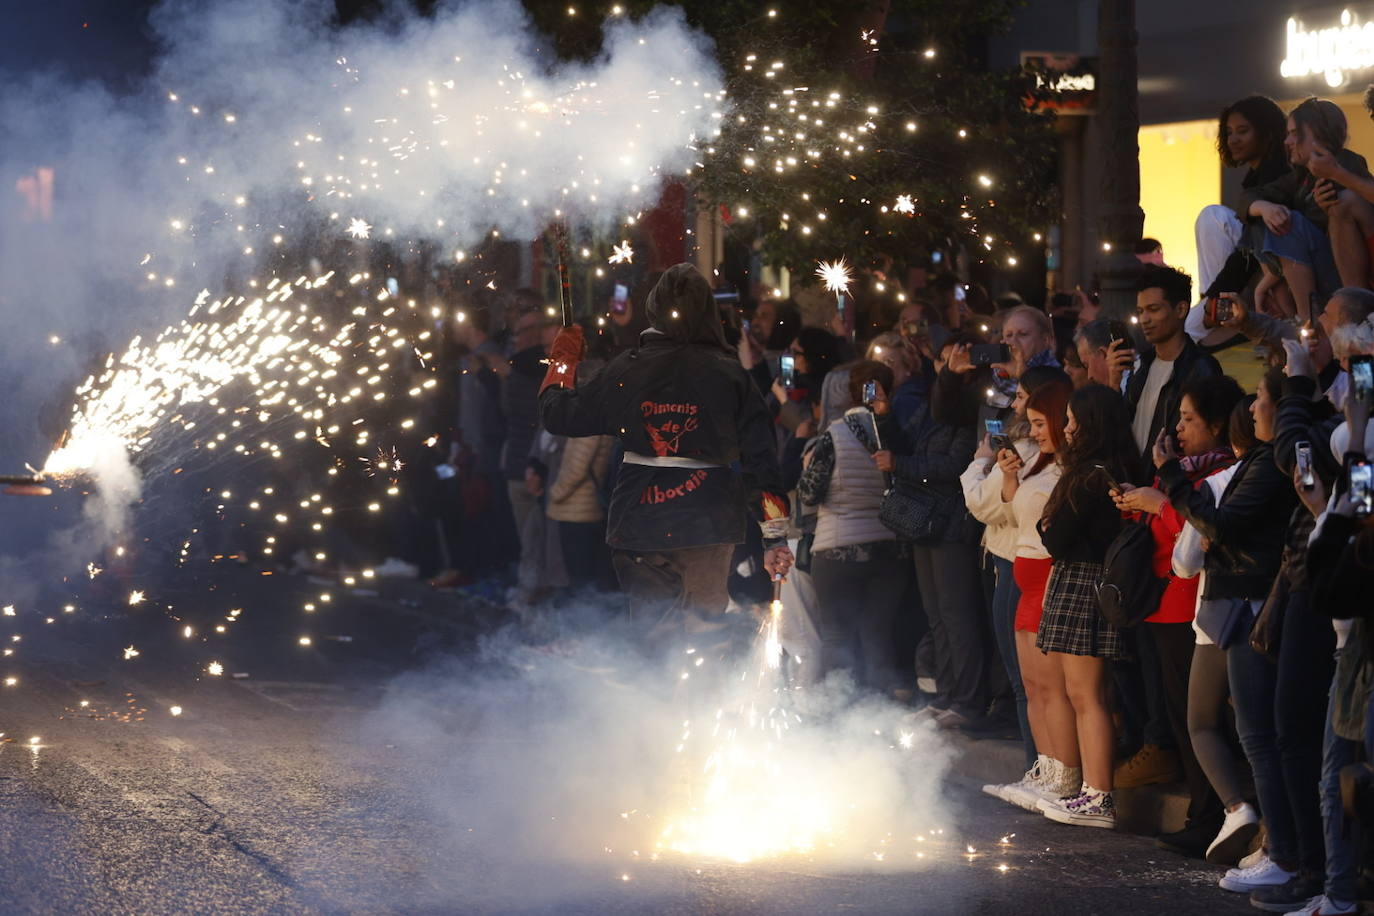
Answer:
(359, 229)
(135, 598)
(130, 653)
(905, 205)
(175, 710)
(386, 462)
(835, 274)
(622, 253)
(215, 669)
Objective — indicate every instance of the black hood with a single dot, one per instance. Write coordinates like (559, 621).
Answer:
(683, 308)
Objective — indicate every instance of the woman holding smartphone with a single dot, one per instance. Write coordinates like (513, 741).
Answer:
(1026, 487)
(982, 486)
(1079, 523)
(1203, 433)
(1246, 531)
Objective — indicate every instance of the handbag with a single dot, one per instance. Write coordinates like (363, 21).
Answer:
(914, 511)
(1223, 619)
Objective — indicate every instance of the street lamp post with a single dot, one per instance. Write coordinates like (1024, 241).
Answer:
(1121, 220)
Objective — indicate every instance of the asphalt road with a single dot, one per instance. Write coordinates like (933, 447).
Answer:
(407, 768)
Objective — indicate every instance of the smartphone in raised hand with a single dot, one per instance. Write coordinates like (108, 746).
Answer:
(1362, 378)
(1303, 456)
(980, 355)
(787, 366)
(1360, 486)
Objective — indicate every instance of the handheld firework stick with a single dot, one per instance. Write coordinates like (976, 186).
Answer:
(560, 235)
(24, 485)
(836, 276)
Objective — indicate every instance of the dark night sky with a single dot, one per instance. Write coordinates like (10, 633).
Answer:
(105, 40)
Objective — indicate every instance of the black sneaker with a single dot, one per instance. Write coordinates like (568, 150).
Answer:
(1287, 897)
(1190, 841)
(993, 726)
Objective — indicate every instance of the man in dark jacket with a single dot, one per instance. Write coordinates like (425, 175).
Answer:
(686, 414)
(1155, 387)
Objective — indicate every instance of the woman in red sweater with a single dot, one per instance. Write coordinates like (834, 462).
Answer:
(1204, 416)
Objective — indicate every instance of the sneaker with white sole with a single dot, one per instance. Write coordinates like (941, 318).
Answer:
(1325, 906)
(1089, 808)
(1264, 873)
(1253, 859)
(1035, 776)
(1237, 832)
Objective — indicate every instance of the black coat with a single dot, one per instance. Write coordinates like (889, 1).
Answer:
(671, 398)
(1084, 524)
(1192, 362)
(935, 454)
(1247, 527)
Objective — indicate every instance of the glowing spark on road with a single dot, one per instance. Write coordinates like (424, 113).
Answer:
(135, 598)
(130, 653)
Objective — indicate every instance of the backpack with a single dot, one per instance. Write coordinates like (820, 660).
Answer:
(1129, 590)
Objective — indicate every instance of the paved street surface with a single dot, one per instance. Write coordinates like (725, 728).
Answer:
(343, 777)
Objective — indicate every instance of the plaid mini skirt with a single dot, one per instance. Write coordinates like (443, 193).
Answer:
(1072, 623)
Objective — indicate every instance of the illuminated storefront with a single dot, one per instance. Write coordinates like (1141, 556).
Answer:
(1194, 59)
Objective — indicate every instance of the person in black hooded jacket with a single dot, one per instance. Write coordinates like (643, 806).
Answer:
(699, 450)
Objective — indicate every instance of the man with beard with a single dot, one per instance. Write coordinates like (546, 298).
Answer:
(699, 452)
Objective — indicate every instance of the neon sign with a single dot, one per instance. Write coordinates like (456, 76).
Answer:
(1334, 52)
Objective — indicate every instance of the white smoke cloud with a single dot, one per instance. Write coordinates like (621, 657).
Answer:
(561, 766)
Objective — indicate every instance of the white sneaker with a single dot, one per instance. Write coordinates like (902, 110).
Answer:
(1252, 859)
(1235, 836)
(1262, 874)
(1027, 792)
(1089, 808)
(1325, 906)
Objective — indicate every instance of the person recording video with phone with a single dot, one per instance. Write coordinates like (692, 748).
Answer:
(978, 382)
(947, 561)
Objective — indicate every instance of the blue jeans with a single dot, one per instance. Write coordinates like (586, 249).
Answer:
(1281, 735)
(1341, 852)
(1306, 243)
(1004, 598)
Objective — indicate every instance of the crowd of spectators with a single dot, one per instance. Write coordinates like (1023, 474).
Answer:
(1061, 526)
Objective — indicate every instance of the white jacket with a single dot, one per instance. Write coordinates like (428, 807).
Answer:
(982, 486)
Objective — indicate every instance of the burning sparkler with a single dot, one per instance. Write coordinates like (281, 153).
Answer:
(622, 253)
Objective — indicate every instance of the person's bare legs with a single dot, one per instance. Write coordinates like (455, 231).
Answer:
(1350, 222)
(1036, 673)
(1272, 296)
(1302, 282)
(1085, 682)
(1061, 723)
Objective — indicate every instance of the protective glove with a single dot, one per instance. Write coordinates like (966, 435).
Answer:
(567, 351)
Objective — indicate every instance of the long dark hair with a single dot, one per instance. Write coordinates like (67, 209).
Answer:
(1102, 437)
(1268, 120)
